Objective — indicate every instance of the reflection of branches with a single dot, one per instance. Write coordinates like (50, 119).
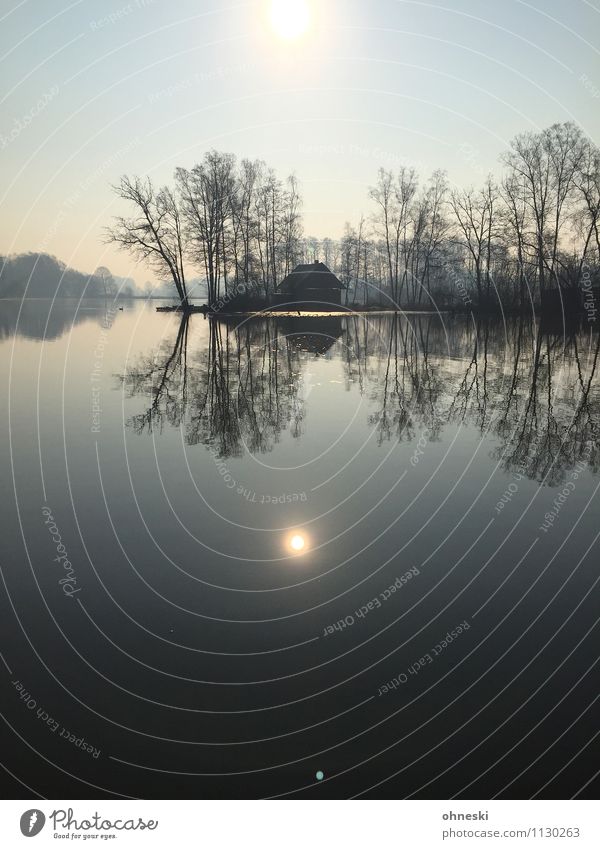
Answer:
(462, 398)
(403, 380)
(239, 387)
(242, 386)
(164, 377)
(522, 384)
(549, 428)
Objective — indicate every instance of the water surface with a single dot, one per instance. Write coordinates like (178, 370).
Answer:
(434, 636)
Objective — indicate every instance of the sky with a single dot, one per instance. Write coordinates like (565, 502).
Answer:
(93, 89)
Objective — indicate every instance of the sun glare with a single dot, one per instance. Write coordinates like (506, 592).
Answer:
(290, 18)
(297, 543)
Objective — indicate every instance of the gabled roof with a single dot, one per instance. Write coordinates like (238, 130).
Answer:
(316, 275)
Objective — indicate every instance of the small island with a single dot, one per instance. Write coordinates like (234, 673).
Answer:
(526, 240)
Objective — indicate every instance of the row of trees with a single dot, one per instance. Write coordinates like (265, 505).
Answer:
(534, 229)
(236, 223)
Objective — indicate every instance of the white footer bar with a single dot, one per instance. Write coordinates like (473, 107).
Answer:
(302, 824)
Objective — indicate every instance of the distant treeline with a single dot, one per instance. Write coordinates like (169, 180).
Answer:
(239, 226)
(40, 275)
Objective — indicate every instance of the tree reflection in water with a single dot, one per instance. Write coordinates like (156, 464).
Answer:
(532, 387)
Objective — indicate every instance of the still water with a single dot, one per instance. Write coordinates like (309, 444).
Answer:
(238, 554)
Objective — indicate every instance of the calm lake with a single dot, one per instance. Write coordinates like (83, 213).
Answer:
(238, 554)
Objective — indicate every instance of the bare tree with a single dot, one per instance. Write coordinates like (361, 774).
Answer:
(514, 216)
(474, 213)
(433, 230)
(207, 196)
(291, 224)
(154, 233)
(587, 183)
(545, 166)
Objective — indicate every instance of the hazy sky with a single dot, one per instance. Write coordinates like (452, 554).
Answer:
(92, 89)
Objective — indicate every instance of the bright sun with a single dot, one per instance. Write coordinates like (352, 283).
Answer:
(290, 18)
(297, 542)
